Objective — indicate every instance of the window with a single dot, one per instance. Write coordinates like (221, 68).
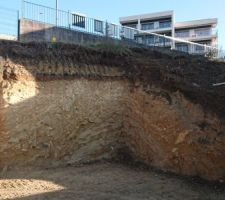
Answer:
(164, 24)
(112, 30)
(150, 40)
(202, 48)
(182, 34)
(164, 41)
(147, 26)
(199, 48)
(132, 25)
(203, 32)
(127, 33)
(156, 41)
(182, 47)
(98, 26)
(78, 20)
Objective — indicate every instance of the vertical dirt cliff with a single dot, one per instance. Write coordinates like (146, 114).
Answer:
(69, 104)
(167, 131)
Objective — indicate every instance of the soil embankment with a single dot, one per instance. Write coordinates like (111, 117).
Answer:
(68, 104)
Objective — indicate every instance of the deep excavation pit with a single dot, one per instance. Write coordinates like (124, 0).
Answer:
(69, 104)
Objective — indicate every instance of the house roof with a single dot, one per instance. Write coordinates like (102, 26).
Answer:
(197, 23)
(146, 16)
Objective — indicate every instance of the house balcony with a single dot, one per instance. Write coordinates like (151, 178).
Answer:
(156, 27)
(197, 35)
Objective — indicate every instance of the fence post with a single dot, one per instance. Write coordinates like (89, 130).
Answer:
(57, 13)
(164, 41)
(18, 25)
(22, 9)
(192, 49)
(106, 29)
(69, 19)
(205, 49)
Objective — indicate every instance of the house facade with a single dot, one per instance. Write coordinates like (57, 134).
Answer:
(198, 31)
(163, 23)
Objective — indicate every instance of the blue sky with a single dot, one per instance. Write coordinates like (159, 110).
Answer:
(112, 9)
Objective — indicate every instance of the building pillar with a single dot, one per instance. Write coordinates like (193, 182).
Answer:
(192, 33)
(156, 25)
(139, 24)
(173, 45)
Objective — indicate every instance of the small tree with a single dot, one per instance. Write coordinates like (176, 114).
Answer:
(212, 53)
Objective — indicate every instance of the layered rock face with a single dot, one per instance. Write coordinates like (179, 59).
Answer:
(75, 105)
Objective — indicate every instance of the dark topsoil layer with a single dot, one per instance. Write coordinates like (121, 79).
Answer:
(193, 76)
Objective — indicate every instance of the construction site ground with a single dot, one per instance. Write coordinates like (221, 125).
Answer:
(111, 181)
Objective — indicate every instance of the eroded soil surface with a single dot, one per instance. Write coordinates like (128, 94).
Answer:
(103, 181)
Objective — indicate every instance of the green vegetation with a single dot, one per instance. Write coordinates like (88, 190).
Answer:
(112, 48)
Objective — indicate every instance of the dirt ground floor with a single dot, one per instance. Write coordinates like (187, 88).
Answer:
(108, 181)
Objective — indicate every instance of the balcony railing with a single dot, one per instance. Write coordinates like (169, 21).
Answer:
(197, 33)
(152, 26)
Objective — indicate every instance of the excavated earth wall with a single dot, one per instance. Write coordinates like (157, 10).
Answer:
(67, 104)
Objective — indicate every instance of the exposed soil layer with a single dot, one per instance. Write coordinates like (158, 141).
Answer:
(194, 76)
(67, 104)
(103, 181)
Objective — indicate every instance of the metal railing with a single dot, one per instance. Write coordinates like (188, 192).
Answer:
(8, 23)
(63, 19)
(197, 33)
(78, 22)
